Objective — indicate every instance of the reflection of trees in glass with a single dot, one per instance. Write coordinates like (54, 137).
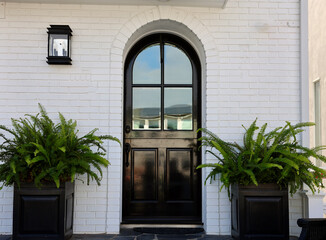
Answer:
(146, 113)
(177, 117)
(178, 108)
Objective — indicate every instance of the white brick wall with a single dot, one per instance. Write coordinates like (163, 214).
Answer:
(252, 70)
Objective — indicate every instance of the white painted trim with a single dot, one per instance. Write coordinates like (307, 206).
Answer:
(224, 5)
(314, 204)
(304, 56)
(184, 31)
(182, 3)
(2, 10)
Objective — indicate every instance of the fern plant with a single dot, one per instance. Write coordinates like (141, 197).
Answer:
(42, 151)
(265, 157)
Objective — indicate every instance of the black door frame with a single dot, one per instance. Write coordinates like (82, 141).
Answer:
(196, 86)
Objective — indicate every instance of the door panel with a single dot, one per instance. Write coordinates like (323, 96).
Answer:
(161, 116)
(179, 174)
(144, 174)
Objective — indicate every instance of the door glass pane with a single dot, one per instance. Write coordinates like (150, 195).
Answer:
(177, 67)
(58, 45)
(146, 109)
(147, 66)
(178, 109)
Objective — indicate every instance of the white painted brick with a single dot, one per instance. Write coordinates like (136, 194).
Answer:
(249, 48)
(113, 228)
(84, 228)
(5, 215)
(6, 222)
(5, 230)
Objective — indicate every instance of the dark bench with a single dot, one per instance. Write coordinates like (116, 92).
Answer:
(312, 228)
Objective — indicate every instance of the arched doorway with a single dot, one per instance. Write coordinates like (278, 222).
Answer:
(162, 112)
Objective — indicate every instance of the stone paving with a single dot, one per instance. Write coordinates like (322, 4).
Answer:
(148, 237)
(129, 234)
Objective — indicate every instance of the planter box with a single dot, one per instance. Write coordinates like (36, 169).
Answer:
(45, 213)
(259, 212)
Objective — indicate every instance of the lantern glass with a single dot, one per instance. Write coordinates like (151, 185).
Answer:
(58, 45)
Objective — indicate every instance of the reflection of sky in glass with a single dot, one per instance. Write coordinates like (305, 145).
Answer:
(146, 101)
(177, 67)
(177, 96)
(147, 67)
(146, 98)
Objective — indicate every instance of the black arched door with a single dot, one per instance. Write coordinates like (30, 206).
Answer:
(161, 115)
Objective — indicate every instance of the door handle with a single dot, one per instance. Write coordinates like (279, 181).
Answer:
(127, 150)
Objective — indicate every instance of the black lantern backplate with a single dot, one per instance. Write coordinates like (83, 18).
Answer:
(59, 44)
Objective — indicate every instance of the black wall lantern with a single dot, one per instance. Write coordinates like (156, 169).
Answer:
(59, 44)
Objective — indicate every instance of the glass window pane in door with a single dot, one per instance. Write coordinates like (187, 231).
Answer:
(178, 109)
(58, 45)
(147, 66)
(177, 66)
(146, 108)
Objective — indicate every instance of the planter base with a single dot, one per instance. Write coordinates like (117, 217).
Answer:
(45, 213)
(259, 212)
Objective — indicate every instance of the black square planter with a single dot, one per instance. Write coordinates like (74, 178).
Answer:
(259, 212)
(45, 213)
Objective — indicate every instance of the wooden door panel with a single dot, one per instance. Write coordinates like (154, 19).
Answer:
(179, 174)
(144, 175)
(162, 184)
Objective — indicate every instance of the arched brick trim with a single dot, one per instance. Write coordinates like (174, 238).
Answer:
(161, 13)
(209, 57)
(164, 13)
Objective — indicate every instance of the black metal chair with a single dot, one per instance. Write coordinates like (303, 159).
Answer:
(312, 228)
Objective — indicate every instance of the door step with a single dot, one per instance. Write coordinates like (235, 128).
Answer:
(131, 226)
(168, 230)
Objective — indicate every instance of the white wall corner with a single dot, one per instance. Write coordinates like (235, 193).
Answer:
(2, 10)
(313, 204)
(304, 52)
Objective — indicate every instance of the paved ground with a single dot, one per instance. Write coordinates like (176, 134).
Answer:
(132, 235)
(147, 237)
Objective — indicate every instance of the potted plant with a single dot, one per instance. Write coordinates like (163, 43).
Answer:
(258, 175)
(41, 159)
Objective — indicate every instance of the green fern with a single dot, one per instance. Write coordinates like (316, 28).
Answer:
(41, 151)
(272, 157)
